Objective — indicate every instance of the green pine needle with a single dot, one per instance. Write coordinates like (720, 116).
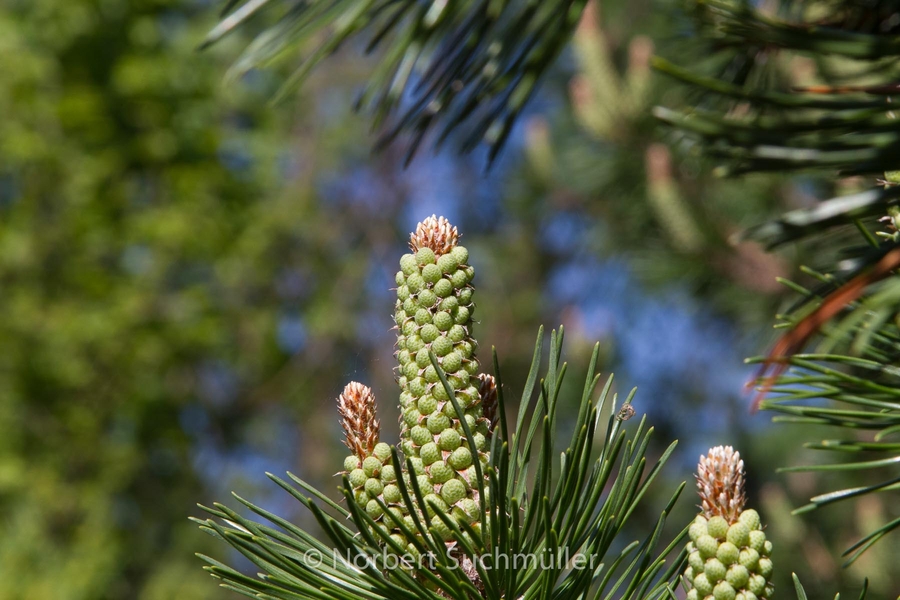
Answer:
(539, 507)
(444, 66)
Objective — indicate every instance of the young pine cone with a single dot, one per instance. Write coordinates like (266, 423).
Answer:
(728, 553)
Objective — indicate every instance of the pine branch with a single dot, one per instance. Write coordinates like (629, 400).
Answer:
(760, 113)
(581, 509)
(479, 507)
(444, 66)
(850, 383)
(832, 120)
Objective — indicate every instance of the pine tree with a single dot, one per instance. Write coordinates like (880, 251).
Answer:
(781, 87)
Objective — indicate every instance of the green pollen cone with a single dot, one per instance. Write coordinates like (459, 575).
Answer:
(440, 324)
(433, 314)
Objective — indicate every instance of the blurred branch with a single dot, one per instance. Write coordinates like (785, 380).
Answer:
(666, 201)
(604, 101)
(445, 66)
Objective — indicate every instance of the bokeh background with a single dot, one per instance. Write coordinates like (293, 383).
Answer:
(189, 275)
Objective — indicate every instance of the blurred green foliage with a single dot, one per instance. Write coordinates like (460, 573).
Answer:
(655, 197)
(145, 230)
(116, 212)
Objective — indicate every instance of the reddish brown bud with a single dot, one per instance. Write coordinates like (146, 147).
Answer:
(356, 405)
(435, 233)
(720, 481)
(489, 403)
